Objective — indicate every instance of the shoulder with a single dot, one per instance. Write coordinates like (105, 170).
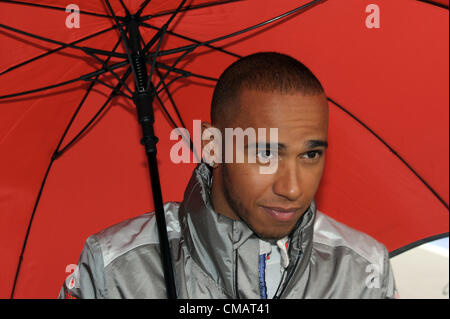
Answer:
(334, 234)
(125, 236)
(355, 264)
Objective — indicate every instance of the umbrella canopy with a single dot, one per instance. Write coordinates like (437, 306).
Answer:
(71, 163)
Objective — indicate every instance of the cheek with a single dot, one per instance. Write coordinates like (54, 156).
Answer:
(248, 183)
(311, 179)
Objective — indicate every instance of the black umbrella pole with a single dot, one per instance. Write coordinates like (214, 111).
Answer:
(143, 103)
(143, 99)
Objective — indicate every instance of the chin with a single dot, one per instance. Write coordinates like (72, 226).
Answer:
(273, 234)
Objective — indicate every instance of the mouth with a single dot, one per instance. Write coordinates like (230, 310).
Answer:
(281, 214)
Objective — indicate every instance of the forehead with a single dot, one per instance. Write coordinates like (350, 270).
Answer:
(296, 115)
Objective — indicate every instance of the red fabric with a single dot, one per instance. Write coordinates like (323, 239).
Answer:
(394, 79)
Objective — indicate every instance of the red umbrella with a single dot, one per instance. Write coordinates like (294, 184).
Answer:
(71, 163)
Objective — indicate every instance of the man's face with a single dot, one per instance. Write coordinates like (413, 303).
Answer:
(271, 204)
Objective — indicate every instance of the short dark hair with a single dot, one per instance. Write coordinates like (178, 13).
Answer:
(263, 71)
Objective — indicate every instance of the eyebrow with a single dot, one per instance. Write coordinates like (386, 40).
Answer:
(316, 143)
(308, 144)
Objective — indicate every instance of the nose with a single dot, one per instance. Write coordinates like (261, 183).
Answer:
(287, 181)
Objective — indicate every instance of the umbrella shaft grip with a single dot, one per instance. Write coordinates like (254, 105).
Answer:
(143, 98)
(141, 72)
(143, 102)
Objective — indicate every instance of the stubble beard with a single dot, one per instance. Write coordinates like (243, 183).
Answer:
(242, 212)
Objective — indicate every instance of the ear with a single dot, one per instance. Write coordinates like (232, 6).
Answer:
(210, 144)
(205, 126)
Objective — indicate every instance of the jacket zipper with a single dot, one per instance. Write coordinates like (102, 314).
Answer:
(236, 292)
(287, 277)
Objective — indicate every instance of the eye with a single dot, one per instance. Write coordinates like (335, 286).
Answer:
(264, 156)
(313, 155)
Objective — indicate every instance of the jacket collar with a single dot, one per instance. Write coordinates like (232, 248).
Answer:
(212, 239)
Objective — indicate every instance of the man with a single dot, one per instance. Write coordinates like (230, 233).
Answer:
(239, 233)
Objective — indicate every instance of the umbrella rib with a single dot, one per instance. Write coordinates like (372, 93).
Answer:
(185, 73)
(152, 41)
(55, 50)
(172, 81)
(171, 120)
(127, 13)
(41, 89)
(105, 66)
(158, 47)
(112, 88)
(161, 35)
(53, 158)
(144, 24)
(55, 8)
(191, 144)
(142, 7)
(393, 152)
(142, 40)
(92, 120)
(434, 3)
(417, 243)
(29, 228)
(282, 16)
(172, 101)
(173, 66)
(166, 90)
(188, 8)
(86, 77)
(57, 152)
(68, 45)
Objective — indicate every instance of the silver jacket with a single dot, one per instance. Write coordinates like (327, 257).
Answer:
(217, 257)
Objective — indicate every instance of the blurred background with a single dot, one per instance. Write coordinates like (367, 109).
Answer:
(422, 272)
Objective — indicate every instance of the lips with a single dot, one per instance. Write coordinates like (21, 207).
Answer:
(281, 214)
